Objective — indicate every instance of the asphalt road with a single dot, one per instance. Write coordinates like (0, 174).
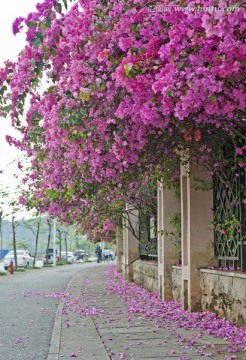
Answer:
(28, 304)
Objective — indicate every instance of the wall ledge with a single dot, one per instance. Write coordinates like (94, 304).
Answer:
(146, 262)
(227, 273)
(177, 267)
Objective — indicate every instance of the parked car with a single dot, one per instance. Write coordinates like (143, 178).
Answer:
(24, 259)
(70, 256)
(48, 257)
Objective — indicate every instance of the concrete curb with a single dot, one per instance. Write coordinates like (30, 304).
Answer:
(55, 342)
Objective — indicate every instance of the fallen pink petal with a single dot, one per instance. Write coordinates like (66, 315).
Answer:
(18, 340)
(122, 355)
(158, 318)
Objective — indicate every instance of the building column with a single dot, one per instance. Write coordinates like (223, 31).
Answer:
(197, 235)
(119, 250)
(168, 203)
(130, 242)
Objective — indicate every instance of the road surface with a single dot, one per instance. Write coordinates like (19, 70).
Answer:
(28, 304)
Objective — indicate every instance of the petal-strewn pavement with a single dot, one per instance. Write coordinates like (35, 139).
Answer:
(102, 317)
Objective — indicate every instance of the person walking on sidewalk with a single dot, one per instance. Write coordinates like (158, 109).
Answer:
(98, 252)
(106, 254)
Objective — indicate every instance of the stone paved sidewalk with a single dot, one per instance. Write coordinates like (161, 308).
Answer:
(93, 324)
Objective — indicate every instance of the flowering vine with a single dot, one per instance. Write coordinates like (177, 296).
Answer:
(115, 89)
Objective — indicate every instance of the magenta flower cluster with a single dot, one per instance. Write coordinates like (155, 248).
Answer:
(115, 89)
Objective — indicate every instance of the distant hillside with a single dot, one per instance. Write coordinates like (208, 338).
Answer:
(24, 237)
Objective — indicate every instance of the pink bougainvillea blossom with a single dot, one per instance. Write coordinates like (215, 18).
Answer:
(113, 91)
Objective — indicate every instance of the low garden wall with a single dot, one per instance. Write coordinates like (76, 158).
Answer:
(224, 292)
(145, 274)
(177, 283)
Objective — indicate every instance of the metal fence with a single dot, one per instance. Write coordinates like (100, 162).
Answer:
(229, 220)
(147, 237)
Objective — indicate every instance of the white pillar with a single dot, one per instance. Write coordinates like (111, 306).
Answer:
(130, 242)
(119, 249)
(168, 203)
(54, 242)
(197, 235)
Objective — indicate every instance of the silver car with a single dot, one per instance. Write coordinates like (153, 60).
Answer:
(24, 259)
(70, 256)
(48, 258)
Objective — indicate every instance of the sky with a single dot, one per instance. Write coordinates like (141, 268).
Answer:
(10, 46)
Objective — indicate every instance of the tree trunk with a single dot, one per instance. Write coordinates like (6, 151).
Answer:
(48, 243)
(14, 240)
(36, 245)
(65, 240)
(60, 242)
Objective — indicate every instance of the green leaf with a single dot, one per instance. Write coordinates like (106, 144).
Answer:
(84, 96)
(125, 176)
(32, 62)
(170, 93)
(100, 24)
(53, 52)
(72, 139)
(128, 68)
(7, 108)
(68, 94)
(82, 135)
(213, 98)
(21, 98)
(134, 51)
(40, 35)
(59, 8)
(42, 25)
(65, 3)
(3, 88)
(40, 65)
(172, 56)
(165, 24)
(36, 43)
(31, 24)
(48, 22)
(92, 87)
(112, 59)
